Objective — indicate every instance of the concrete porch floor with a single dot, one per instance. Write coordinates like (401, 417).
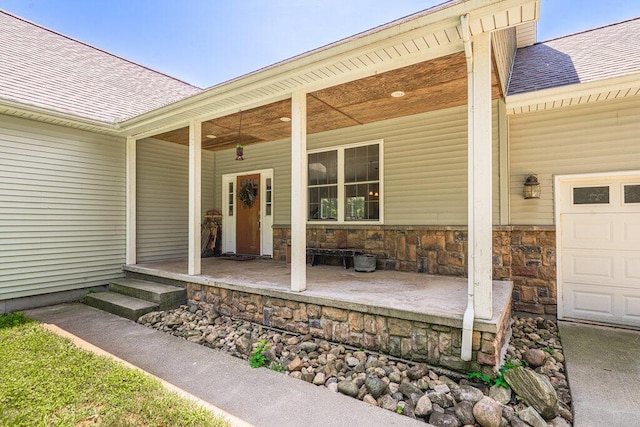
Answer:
(413, 296)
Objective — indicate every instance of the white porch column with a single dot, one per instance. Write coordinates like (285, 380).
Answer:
(480, 171)
(299, 191)
(195, 195)
(131, 231)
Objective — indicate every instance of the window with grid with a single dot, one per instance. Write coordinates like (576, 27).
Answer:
(345, 184)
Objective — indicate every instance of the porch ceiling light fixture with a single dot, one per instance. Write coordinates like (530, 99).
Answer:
(239, 147)
(211, 136)
(397, 94)
(531, 188)
(285, 119)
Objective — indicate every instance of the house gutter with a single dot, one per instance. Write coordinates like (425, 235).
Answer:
(469, 313)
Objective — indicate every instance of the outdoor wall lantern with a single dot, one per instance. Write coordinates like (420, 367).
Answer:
(531, 187)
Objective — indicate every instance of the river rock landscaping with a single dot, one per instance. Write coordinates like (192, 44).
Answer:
(530, 390)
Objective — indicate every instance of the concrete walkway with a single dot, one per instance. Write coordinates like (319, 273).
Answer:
(258, 396)
(603, 368)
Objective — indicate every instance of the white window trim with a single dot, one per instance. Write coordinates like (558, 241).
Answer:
(341, 183)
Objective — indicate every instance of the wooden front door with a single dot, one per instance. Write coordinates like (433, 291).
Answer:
(248, 215)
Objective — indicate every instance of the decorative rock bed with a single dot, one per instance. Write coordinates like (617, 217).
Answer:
(437, 396)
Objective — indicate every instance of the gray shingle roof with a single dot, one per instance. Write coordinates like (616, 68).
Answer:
(602, 53)
(44, 69)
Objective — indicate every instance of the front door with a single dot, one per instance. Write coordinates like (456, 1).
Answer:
(248, 215)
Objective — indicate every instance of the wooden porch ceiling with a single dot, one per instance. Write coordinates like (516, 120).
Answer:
(428, 86)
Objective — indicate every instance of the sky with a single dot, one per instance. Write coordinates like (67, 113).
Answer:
(207, 42)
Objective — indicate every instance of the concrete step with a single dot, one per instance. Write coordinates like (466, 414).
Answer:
(165, 296)
(121, 305)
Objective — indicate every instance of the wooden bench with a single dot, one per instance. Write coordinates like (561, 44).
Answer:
(345, 254)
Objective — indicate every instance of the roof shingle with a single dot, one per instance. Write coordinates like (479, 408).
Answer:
(48, 70)
(598, 54)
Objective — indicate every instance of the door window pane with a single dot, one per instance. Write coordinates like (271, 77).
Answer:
(591, 195)
(632, 193)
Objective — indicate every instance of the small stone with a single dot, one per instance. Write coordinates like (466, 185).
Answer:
(244, 344)
(333, 387)
(352, 361)
(443, 400)
(387, 402)
(467, 393)
(534, 357)
(349, 388)
(319, 378)
(375, 386)
(417, 371)
(487, 412)
(423, 407)
(292, 341)
(532, 417)
(500, 394)
(464, 412)
(395, 377)
(407, 389)
(439, 419)
(370, 400)
(308, 346)
(559, 422)
(295, 365)
(442, 388)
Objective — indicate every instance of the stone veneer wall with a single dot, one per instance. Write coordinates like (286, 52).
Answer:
(436, 344)
(525, 255)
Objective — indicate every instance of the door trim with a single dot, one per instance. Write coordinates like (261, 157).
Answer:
(559, 180)
(229, 221)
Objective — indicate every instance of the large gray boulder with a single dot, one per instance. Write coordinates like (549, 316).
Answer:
(535, 390)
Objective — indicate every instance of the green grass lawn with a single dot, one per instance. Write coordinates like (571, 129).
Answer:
(47, 381)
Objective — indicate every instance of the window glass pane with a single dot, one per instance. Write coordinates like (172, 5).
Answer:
(323, 168)
(362, 202)
(323, 203)
(591, 195)
(632, 193)
(361, 163)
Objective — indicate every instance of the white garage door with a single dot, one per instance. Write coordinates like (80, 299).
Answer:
(599, 248)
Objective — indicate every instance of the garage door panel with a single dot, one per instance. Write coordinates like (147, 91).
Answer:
(631, 270)
(586, 230)
(593, 301)
(631, 308)
(588, 267)
(631, 232)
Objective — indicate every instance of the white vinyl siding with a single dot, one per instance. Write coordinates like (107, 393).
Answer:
(62, 208)
(599, 137)
(163, 198)
(504, 51)
(425, 165)
(274, 155)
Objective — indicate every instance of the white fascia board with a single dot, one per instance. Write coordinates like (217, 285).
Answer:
(439, 18)
(577, 90)
(19, 109)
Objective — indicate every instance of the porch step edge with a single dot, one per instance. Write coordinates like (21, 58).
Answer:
(122, 305)
(165, 296)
